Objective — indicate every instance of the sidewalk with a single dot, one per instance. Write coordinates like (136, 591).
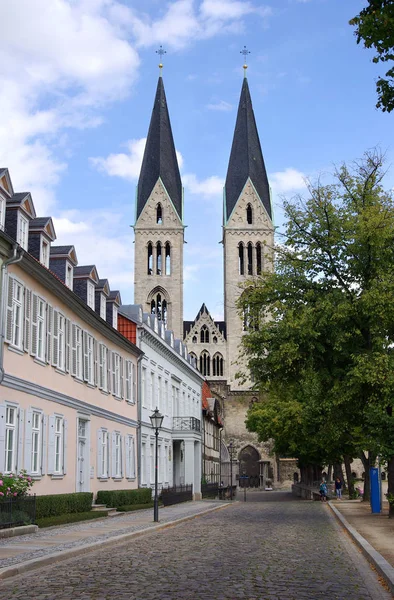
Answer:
(27, 552)
(373, 533)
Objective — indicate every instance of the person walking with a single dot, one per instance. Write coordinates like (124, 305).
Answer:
(323, 490)
(338, 488)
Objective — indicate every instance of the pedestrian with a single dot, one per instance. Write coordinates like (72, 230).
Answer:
(338, 488)
(323, 490)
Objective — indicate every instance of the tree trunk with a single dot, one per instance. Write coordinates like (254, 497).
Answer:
(390, 489)
(329, 473)
(367, 491)
(338, 471)
(350, 486)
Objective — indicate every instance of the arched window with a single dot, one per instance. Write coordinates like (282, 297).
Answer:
(158, 304)
(249, 215)
(164, 312)
(241, 262)
(150, 259)
(153, 306)
(159, 214)
(250, 259)
(193, 358)
(158, 258)
(217, 365)
(205, 364)
(168, 259)
(215, 339)
(194, 339)
(258, 258)
(204, 335)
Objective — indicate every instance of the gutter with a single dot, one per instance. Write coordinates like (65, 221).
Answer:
(15, 258)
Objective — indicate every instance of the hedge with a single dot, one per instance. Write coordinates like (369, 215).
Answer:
(62, 504)
(70, 518)
(115, 498)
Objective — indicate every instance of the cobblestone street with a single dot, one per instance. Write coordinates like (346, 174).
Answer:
(255, 550)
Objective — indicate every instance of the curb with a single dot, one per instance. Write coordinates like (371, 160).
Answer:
(50, 559)
(382, 566)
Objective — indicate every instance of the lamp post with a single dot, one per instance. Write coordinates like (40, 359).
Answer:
(156, 419)
(231, 451)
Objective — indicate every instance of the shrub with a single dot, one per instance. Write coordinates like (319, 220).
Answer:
(132, 507)
(70, 518)
(116, 498)
(15, 485)
(61, 504)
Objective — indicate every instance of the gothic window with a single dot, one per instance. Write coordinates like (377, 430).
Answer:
(150, 259)
(158, 258)
(159, 214)
(250, 259)
(249, 215)
(158, 306)
(194, 339)
(205, 364)
(153, 306)
(217, 365)
(215, 339)
(258, 258)
(204, 335)
(168, 259)
(164, 312)
(241, 259)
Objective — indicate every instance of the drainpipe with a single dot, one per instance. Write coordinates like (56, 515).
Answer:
(16, 257)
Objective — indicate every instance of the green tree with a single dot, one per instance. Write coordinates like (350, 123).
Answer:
(323, 350)
(375, 28)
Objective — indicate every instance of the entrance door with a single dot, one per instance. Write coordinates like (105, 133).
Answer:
(249, 466)
(83, 482)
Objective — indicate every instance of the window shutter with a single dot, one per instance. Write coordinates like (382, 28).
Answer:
(19, 457)
(28, 448)
(132, 466)
(34, 312)
(101, 366)
(73, 349)
(109, 371)
(121, 391)
(65, 432)
(85, 355)
(44, 444)
(99, 452)
(55, 339)
(121, 450)
(51, 445)
(127, 455)
(68, 335)
(95, 369)
(113, 373)
(127, 380)
(113, 455)
(10, 299)
(2, 437)
(26, 337)
(49, 333)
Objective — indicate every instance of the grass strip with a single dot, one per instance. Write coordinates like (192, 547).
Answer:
(70, 518)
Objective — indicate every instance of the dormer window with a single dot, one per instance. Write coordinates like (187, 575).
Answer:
(69, 276)
(103, 307)
(22, 232)
(115, 317)
(2, 212)
(90, 295)
(45, 253)
(159, 214)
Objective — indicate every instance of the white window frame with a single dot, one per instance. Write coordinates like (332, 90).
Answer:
(115, 317)
(61, 342)
(36, 442)
(116, 375)
(44, 252)
(69, 278)
(103, 306)
(103, 368)
(104, 454)
(143, 463)
(22, 235)
(2, 212)
(41, 328)
(59, 445)
(15, 313)
(129, 376)
(88, 358)
(117, 456)
(152, 462)
(90, 295)
(11, 435)
(143, 386)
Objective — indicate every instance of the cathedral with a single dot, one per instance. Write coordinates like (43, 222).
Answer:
(248, 237)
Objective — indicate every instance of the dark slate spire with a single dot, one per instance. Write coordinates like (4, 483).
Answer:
(246, 159)
(160, 157)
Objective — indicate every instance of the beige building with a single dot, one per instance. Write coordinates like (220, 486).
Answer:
(68, 379)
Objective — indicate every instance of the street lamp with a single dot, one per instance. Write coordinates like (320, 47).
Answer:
(231, 451)
(156, 419)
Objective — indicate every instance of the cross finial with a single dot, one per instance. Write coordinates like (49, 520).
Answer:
(161, 53)
(245, 53)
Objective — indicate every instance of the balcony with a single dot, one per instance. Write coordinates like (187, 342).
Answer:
(186, 424)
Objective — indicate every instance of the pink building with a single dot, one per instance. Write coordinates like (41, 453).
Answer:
(68, 378)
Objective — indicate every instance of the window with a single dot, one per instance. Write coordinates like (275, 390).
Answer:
(158, 259)
(114, 316)
(159, 393)
(152, 463)
(76, 352)
(205, 364)
(143, 463)
(129, 375)
(69, 276)
(14, 313)
(10, 438)
(22, 236)
(130, 457)
(151, 390)
(45, 253)
(103, 368)
(58, 446)
(159, 214)
(103, 454)
(249, 215)
(250, 259)
(2, 212)
(194, 339)
(59, 341)
(117, 450)
(204, 335)
(103, 307)
(168, 259)
(241, 263)
(159, 307)
(36, 442)
(88, 358)
(150, 259)
(143, 387)
(217, 365)
(116, 374)
(215, 339)
(258, 258)
(90, 295)
(38, 328)
(166, 398)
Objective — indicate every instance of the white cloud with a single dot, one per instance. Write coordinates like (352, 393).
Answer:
(231, 9)
(211, 186)
(287, 181)
(222, 105)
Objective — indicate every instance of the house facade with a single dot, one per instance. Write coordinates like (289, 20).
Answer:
(68, 379)
(212, 437)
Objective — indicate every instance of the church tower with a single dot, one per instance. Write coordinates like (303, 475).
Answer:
(248, 232)
(159, 229)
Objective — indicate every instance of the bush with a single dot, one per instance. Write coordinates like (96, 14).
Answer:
(70, 518)
(62, 504)
(131, 507)
(116, 498)
(15, 485)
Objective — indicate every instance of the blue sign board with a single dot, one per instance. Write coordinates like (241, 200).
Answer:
(375, 490)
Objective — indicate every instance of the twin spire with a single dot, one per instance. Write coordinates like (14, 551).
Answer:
(160, 160)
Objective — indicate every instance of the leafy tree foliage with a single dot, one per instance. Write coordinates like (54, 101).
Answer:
(323, 352)
(375, 28)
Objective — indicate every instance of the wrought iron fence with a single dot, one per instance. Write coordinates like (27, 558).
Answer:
(210, 490)
(186, 424)
(18, 511)
(176, 494)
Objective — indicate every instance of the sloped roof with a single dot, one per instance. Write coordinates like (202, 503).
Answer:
(246, 158)
(44, 224)
(160, 157)
(188, 325)
(61, 250)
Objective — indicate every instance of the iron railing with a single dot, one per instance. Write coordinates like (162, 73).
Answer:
(176, 494)
(210, 490)
(186, 424)
(18, 511)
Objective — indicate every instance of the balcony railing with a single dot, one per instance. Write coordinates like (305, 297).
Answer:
(186, 424)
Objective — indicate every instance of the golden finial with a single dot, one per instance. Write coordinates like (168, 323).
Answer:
(245, 53)
(161, 53)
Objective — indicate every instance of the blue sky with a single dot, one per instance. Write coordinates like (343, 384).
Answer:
(79, 78)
